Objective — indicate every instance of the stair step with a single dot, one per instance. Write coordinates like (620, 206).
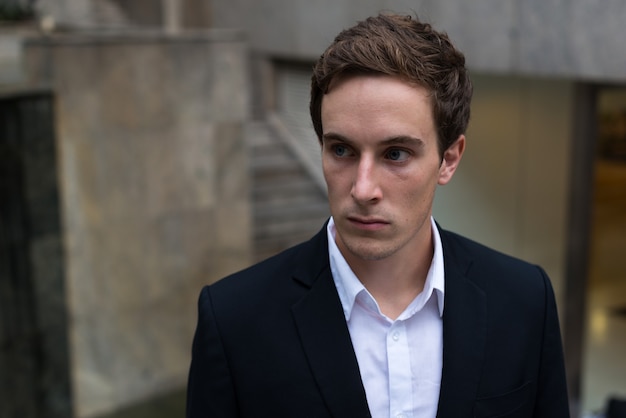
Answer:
(288, 206)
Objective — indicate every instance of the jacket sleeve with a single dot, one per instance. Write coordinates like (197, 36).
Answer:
(552, 399)
(210, 391)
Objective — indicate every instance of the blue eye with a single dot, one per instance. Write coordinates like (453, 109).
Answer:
(396, 154)
(340, 150)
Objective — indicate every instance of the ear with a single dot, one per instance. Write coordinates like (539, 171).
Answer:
(451, 159)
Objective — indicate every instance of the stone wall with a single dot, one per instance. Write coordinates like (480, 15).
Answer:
(155, 197)
(89, 14)
(530, 37)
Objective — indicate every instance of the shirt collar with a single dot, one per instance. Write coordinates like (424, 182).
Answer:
(349, 287)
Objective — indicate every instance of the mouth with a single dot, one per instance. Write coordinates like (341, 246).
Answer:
(367, 223)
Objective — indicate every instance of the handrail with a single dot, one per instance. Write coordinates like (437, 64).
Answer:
(312, 165)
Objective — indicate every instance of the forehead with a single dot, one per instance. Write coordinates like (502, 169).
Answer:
(342, 78)
(377, 85)
(377, 105)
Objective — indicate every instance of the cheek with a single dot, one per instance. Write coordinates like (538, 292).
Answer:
(335, 176)
(335, 186)
(416, 192)
(338, 189)
(328, 174)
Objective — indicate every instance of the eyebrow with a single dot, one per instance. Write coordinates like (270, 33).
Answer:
(394, 140)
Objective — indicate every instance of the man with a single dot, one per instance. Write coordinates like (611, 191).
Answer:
(382, 313)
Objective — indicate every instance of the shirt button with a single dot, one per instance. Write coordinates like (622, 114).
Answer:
(396, 337)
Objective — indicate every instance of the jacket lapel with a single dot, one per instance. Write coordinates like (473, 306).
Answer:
(464, 333)
(324, 334)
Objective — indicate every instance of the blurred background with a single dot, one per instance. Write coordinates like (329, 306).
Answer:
(149, 147)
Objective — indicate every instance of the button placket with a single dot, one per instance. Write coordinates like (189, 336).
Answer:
(398, 361)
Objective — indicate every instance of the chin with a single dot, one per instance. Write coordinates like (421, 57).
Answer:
(370, 253)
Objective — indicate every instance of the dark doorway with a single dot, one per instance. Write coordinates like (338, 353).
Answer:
(34, 362)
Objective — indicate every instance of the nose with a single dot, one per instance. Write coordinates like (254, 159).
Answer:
(365, 187)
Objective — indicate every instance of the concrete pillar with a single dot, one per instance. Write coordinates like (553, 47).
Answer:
(155, 198)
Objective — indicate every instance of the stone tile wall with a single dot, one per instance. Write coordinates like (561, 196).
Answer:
(572, 39)
(155, 187)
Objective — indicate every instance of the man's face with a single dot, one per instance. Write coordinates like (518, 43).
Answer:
(381, 164)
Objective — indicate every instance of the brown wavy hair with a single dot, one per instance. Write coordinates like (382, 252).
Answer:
(403, 47)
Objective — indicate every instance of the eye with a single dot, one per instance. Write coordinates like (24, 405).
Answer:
(397, 154)
(340, 150)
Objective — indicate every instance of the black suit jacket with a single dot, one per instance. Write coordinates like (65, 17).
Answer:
(272, 340)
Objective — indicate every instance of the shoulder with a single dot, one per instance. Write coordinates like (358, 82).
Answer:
(261, 273)
(263, 293)
(458, 247)
(273, 280)
(491, 269)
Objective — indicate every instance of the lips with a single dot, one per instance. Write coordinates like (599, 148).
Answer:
(367, 223)
(367, 220)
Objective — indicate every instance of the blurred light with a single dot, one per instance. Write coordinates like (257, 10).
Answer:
(599, 325)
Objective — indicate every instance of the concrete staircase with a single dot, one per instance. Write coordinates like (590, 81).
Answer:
(288, 205)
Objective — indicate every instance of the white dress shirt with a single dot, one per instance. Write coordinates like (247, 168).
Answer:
(400, 360)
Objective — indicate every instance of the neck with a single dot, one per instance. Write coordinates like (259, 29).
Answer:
(395, 280)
